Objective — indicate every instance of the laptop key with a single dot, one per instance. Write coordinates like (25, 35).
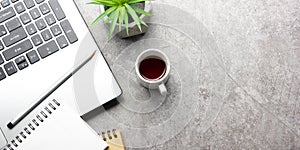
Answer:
(39, 1)
(5, 3)
(32, 57)
(15, 36)
(44, 8)
(29, 3)
(62, 41)
(20, 60)
(2, 30)
(1, 60)
(50, 19)
(56, 30)
(17, 50)
(57, 9)
(7, 14)
(14, 1)
(19, 7)
(1, 46)
(35, 13)
(13, 24)
(69, 31)
(48, 49)
(10, 68)
(37, 40)
(31, 29)
(46, 35)
(41, 24)
(25, 18)
(23, 65)
(2, 74)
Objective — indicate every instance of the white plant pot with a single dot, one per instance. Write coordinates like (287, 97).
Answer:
(133, 29)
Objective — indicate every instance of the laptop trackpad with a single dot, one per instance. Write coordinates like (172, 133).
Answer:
(94, 85)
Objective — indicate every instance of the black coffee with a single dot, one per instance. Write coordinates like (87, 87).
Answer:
(152, 68)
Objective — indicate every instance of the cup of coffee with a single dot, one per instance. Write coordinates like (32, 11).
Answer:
(153, 68)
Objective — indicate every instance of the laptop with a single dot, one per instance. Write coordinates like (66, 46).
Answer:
(40, 41)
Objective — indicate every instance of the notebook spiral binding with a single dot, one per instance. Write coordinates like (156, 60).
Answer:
(108, 135)
(114, 139)
(34, 123)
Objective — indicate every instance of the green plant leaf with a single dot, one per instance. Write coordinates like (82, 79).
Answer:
(110, 18)
(118, 2)
(142, 22)
(99, 3)
(120, 20)
(135, 1)
(118, 13)
(96, 3)
(122, 14)
(126, 21)
(124, 1)
(114, 22)
(107, 12)
(141, 11)
(134, 16)
(103, 2)
(122, 17)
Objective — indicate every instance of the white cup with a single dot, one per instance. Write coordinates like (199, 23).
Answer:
(154, 83)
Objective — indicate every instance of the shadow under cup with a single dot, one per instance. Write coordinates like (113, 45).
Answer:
(152, 68)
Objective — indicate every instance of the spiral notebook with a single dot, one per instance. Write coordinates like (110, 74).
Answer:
(113, 139)
(55, 127)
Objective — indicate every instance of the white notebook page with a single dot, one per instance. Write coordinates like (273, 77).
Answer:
(62, 130)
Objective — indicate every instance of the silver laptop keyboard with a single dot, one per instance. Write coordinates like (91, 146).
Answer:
(31, 30)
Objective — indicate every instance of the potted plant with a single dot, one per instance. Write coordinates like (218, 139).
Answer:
(129, 15)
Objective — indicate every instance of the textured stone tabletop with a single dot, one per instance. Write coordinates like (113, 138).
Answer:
(234, 80)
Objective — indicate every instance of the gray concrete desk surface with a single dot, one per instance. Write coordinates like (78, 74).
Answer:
(247, 91)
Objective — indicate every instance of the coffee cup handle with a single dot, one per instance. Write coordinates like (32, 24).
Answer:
(162, 89)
